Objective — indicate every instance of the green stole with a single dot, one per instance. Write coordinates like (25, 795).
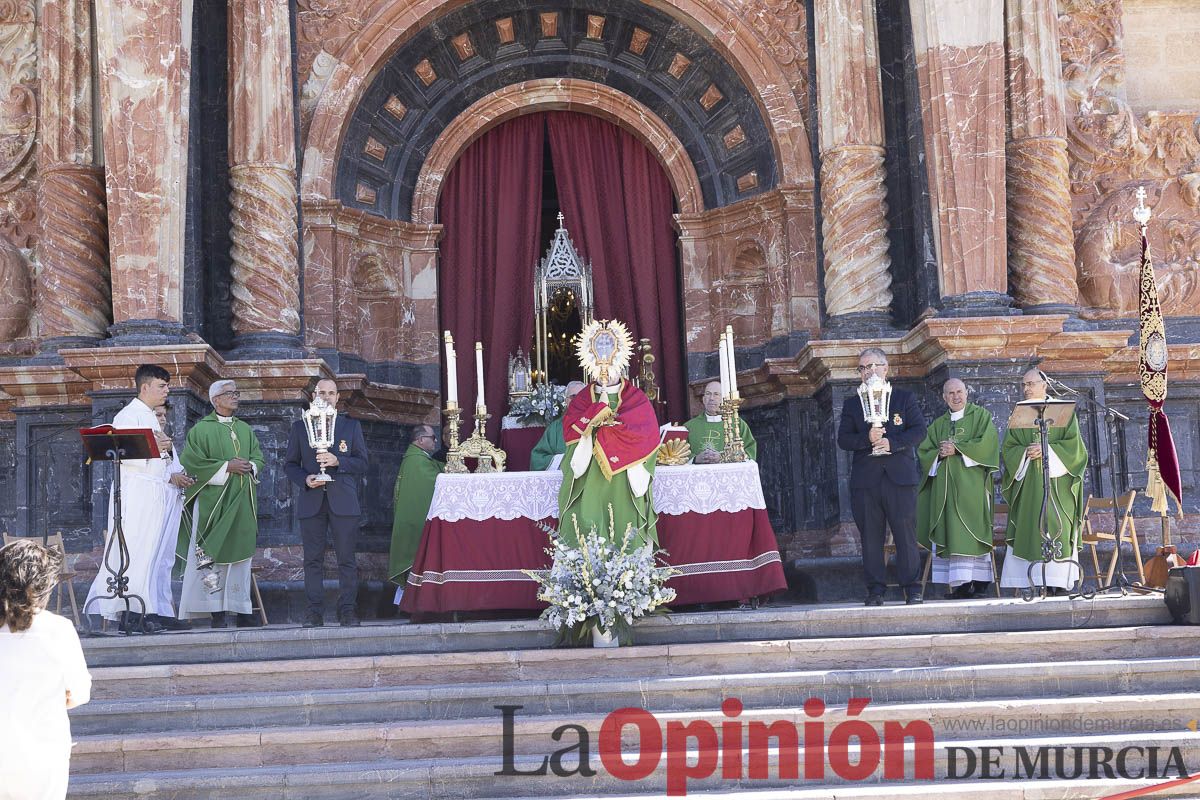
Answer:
(1064, 512)
(590, 498)
(550, 445)
(412, 496)
(703, 434)
(954, 508)
(228, 514)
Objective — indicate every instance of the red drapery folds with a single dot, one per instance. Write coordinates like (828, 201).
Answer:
(490, 207)
(617, 204)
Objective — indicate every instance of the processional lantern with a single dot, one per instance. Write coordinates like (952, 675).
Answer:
(875, 395)
(561, 269)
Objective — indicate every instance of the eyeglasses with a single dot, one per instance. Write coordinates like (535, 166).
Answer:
(1028, 384)
(233, 393)
(865, 367)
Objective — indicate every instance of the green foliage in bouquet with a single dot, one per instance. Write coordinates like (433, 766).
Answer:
(545, 404)
(603, 583)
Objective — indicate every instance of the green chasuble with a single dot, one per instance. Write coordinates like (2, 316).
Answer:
(1064, 512)
(413, 494)
(588, 498)
(954, 507)
(703, 435)
(550, 445)
(228, 514)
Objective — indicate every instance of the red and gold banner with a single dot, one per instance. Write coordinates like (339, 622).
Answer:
(1161, 463)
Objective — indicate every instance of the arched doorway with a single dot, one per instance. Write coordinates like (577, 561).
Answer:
(618, 205)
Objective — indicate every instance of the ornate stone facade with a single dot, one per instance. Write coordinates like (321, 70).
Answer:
(1018, 150)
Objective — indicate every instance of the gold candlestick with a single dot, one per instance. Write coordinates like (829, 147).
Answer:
(735, 448)
(490, 458)
(454, 454)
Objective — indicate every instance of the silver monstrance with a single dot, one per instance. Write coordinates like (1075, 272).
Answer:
(318, 424)
(875, 394)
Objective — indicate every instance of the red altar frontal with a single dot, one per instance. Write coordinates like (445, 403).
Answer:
(483, 531)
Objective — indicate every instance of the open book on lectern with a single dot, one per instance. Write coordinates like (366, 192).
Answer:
(1057, 412)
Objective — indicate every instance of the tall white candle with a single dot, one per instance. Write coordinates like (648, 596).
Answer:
(733, 387)
(479, 403)
(724, 366)
(451, 371)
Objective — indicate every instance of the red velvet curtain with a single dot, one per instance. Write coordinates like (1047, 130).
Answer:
(491, 208)
(617, 204)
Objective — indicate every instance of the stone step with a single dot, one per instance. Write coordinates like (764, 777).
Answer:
(482, 737)
(602, 695)
(788, 622)
(478, 778)
(169, 680)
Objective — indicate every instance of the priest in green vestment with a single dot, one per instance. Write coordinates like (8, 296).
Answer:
(958, 457)
(552, 444)
(412, 496)
(706, 431)
(219, 526)
(1022, 490)
(611, 434)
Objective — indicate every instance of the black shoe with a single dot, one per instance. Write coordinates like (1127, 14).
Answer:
(874, 600)
(961, 592)
(314, 619)
(914, 599)
(348, 619)
(218, 620)
(139, 623)
(249, 621)
(170, 623)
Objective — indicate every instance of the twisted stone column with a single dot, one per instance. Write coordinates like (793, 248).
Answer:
(73, 291)
(854, 225)
(262, 155)
(853, 206)
(1041, 246)
(74, 298)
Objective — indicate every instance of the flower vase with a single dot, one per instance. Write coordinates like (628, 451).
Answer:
(603, 639)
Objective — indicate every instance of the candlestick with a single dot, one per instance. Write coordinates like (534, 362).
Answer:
(451, 371)
(724, 362)
(479, 403)
(733, 388)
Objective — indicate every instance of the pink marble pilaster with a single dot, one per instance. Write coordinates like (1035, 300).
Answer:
(73, 294)
(262, 157)
(853, 197)
(144, 55)
(959, 47)
(1041, 247)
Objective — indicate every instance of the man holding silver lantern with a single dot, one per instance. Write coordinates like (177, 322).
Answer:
(882, 427)
(326, 459)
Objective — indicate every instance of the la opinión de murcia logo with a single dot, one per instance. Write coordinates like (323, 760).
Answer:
(852, 750)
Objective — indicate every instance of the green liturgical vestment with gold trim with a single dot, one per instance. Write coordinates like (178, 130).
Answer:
(954, 506)
(412, 496)
(1064, 512)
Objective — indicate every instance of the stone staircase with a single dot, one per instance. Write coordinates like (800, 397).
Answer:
(400, 711)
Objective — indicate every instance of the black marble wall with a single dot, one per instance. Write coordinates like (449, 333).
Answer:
(51, 489)
(915, 285)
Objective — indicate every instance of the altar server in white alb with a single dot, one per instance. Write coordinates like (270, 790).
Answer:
(147, 487)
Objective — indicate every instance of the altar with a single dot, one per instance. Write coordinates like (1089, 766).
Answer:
(484, 529)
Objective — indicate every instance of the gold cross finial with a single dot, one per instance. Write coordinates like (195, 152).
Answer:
(1141, 213)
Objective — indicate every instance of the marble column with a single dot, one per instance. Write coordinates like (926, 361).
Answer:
(144, 54)
(959, 47)
(1041, 247)
(854, 225)
(73, 296)
(262, 158)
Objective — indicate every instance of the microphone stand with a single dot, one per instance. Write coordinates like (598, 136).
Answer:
(1113, 420)
(1051, 547)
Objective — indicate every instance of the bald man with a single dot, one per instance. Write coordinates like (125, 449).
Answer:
(706, 431)
(959, 456)
(1022, 489)
(552, 443)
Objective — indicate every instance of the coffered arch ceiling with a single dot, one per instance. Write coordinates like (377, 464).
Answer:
(489, 45)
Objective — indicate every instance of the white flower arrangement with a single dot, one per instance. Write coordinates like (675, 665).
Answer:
(545, 404)
(603, 583)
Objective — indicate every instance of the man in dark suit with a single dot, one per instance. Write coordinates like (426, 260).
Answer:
(883, 489)
(332, 505)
